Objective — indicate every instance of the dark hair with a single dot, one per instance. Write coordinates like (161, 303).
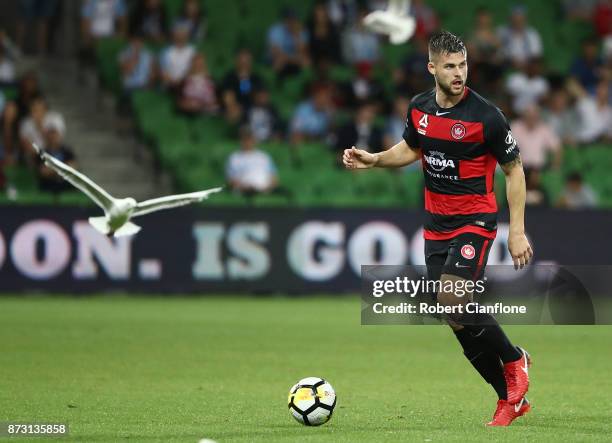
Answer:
(288, 13)
(444, 42)
(574, 176)
(261, 88)
(38, 98)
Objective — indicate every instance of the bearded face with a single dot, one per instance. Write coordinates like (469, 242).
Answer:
(450, 72)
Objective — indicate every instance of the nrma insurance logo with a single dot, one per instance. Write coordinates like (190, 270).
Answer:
(437, 162)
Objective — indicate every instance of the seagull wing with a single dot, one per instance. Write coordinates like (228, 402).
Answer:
(77, 179)
(172, 201)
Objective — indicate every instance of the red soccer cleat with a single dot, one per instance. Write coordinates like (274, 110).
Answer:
(506, 413)
(517, 377)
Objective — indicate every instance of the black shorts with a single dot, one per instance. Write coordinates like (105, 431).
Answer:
(464, 256)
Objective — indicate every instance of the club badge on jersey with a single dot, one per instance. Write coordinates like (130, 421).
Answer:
(468, 252)
(458, 131)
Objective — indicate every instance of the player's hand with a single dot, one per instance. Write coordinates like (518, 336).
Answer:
(520, 249)
(358, 159)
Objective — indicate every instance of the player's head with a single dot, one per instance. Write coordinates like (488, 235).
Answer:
(448, 62)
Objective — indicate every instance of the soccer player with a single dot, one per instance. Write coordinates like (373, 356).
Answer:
(460, 137)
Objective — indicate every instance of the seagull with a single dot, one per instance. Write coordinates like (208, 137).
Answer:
(394, 21)
(117, 211)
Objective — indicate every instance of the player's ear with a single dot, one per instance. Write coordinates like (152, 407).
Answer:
(431, 68)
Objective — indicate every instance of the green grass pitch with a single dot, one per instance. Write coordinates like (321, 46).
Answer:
(181, 369)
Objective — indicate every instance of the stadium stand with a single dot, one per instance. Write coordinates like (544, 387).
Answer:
(194, 150)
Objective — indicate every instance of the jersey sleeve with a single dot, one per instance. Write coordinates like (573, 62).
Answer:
(500, 140)
(410, 133)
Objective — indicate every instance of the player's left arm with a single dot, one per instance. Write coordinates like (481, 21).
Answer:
(518, 244)
(505, 149)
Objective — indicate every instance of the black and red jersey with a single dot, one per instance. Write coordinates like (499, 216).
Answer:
(460, 148)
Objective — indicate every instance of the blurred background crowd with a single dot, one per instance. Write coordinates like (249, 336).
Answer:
(265, 95)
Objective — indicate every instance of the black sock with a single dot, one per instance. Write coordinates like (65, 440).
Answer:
(485, 362)
(486, 330)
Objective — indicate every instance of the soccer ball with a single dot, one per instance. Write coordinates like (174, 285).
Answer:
(312, 401)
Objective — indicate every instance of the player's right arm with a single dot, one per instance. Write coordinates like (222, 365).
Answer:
(397, 156)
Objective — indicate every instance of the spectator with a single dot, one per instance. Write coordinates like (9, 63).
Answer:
(520, 42)
(560, 116)
(587, 68)
(54, 131)
(361, 132)
(262, 118)
(2, 154)
(602, 18)
(239, 85)
(426, 18)
(485, 50)
(28, 90)
(103, 18)
(312, 117)
(527, 87)
(322, 78)
(363, 88)
(137, 65)
(577, 194)
(31, 129)
(8, 56)
(288, 45)
(324, 36)
(536, 139)
(8, 121)
(197, 93)
(359, 44)
(580, 10)
(194, 17)
(342, 13)
(607, 59)
(7, 69)
(250, 170)
(536, 195)
(149, 20)
(41, 12)
(175, 60)
(594, 113)
(412, 77)
(396, 123)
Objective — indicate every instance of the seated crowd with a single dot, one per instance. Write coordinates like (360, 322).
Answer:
(549, 111)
